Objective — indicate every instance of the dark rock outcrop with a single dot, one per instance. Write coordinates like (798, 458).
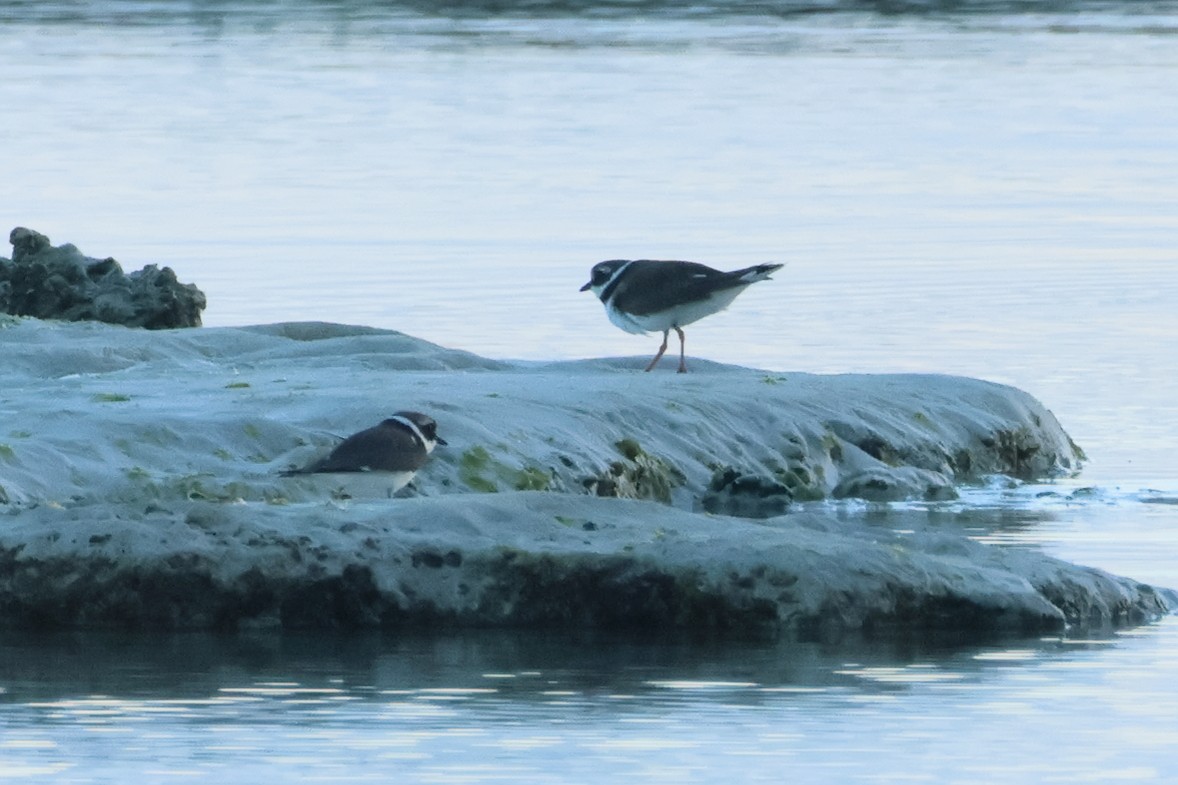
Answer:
(745, 495)
(59, 282)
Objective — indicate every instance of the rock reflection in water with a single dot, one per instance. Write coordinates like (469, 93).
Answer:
(536, 708)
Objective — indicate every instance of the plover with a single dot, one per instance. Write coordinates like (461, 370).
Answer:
(389, 453)
(645, 295)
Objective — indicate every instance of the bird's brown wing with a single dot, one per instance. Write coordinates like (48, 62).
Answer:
(379, 448)
(648, 289)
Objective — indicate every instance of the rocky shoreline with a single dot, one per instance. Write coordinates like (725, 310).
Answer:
(140, 487)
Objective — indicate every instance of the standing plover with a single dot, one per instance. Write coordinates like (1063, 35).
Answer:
(389, 453)
(645, 295)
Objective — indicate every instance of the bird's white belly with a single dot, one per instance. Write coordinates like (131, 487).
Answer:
(360, 485)
(679, 316)
(625, 321)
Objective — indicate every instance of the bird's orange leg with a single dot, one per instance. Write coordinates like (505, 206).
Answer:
(682, 351)
(662, 349)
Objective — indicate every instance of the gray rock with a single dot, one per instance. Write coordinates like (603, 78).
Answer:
(156, 500)
(745, 495)
(545, 561)
(59, 282)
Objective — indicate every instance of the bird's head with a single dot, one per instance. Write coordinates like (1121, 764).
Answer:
(602, 273)
(424, 425)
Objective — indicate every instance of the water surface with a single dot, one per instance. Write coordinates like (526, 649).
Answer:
(530, 709)
(974, 188)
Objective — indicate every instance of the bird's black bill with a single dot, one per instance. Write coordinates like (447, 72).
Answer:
(440, 440)
(585, 288)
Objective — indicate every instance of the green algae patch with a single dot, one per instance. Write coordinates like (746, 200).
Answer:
(639, 476)
(924, 420)
(1015, 448)
(630, 449)
(196, 488)
(137, 473)
(832, 446)
(473, 467)
(532, 478)
(805, 484)
(482, 472)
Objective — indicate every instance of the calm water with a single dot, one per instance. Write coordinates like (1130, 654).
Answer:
(499, 708)
(980, 190)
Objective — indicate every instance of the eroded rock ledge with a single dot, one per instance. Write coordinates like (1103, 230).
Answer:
(541, 560)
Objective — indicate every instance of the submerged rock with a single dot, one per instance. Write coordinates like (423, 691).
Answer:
(59, 282)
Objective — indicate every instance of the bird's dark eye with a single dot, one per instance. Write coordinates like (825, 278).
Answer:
(600, 275)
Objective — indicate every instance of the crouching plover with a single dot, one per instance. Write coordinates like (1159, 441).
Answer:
(645, 295)
(386, 456)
